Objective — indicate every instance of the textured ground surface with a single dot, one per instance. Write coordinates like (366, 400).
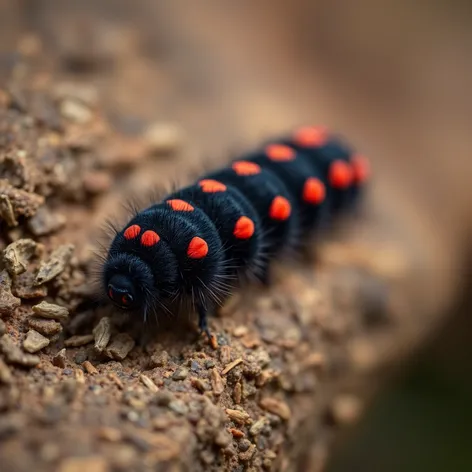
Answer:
(290, 364)
(75, 384)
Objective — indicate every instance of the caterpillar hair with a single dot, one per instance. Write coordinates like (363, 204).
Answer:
(198, 242)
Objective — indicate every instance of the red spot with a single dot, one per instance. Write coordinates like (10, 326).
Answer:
(110, 293)
(340, 175)
(246, 168)
(124, 300)
(311, 136)
(180, 205)
(132, 232)
(360, 168)
(197, 249)
(280, 208)
(244, 228)
(314, 191)
(149, 238)
(211, 186)
(279, 152)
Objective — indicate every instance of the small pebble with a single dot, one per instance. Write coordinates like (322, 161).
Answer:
(163, 138)
(114, 378)
(244, 445)
(60, 359)
(75, 111)
(8, 302)
(45, 222)
(24, 203)
(247, 456)
(217, 382)
(148, 383)
(163, 397)
(225, 355)
(51, 311)
(120, 346)
(56, 263)
(240, 331)
(345, 409)
(179, 407)
(237, 393)
(201, 385)
(80, 92)
(237, 433)
(180, 374)
(238, 416)
(262, 357)
(89, 367)
(79, 376)
(45, 327)
(102, 334)
(80, 357)
(24, 287)
(79, 340)
(14, 355)
(258, 426)
(222, 439)
(34, 342)
(6, 211)
(277, 407)
(17, 255)
(159, 360)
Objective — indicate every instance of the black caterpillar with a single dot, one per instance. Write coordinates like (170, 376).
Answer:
(199, 240)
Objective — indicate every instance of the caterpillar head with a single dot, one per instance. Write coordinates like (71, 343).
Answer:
(121, 292)
(128, 281)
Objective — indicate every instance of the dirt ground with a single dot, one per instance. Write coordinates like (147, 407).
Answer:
(96, 111)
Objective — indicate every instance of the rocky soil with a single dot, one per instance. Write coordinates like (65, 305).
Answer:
(78, 391)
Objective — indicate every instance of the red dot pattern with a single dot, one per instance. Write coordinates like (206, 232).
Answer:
(314, 191)
(280, 152)
(246, 168)
(211, 186)
(340, 175)
(360, 169)
(311, 136)
(244, 228)
(149, 238)
(180, 205)
(197, 248)
(280, 209)
(132, 232)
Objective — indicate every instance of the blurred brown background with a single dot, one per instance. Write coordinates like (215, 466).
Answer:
(394, 76)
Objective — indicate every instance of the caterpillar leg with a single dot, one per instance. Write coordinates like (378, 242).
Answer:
(203, 320)
(144, 337)
(266, 276)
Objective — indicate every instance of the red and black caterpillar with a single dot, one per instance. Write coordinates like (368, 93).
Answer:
(231, 223)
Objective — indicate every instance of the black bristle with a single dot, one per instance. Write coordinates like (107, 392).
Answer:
(197, 242)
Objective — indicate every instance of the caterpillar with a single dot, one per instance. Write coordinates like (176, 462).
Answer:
(199, 241)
